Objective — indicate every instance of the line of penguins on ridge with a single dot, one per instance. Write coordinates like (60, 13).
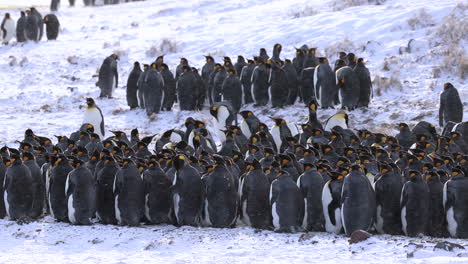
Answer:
(54, 4)
(261, 80)
(326, 177)
(29, 27)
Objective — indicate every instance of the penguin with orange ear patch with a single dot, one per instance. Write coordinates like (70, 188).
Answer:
(311, 185)
(414, 204)
(331, 200)
(456, 204)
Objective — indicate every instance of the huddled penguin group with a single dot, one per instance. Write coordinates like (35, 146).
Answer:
(317, 176)
(259, 81)
(29, 27)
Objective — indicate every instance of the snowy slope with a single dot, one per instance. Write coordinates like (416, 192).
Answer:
(42, 90)
(44, 85)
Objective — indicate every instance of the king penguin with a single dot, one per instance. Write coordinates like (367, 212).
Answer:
(311, 185)
(331, 202)
(287, 204)
(339, 119)
(18, 189)
(254, 190)
(105, 200)
(456, 204)
(81, 194)
(157, 194)
(93, 115)
(414, 205)
(56, 188)
(129, 196)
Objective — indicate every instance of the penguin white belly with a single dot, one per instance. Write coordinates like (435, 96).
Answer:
(7, 205)
(190, 139)
(451, 223)
(404, 224)
(71, 210)
(293, 128)
(304, 221)
(245, 128)
(147, 208)
(338, 220)
(176, 200)
(50, 206)
(207, 220)
(176, 138)
(335, 120)
(275, 133)
(93, 117)
(326, 200)
(245, 216)
(371, 179)
(117, 210)
(342, 217)
(379, 220)
(10, 30)
(275, 215)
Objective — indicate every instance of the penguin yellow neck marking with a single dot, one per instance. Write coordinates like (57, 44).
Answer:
(91, 107)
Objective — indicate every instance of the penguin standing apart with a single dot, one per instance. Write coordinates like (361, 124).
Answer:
(220, 205)
(132, 85)
(254, 190)
(414, 205)
(52, 26)
(81, 194)
(107, 74)
(129, 195)
(186, 192)
(456, 204)
(56, 190)
(18, 189)
(105, 200)
(93, 115)
(365, 83)
(388, 192)
(8, 29)
(357, 202)
(311, 185)
(38, 203)
(157, 194)
(287, 204)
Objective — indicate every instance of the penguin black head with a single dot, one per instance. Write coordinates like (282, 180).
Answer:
(183, 61)
(432, 176)
(313, 105)
(121, 145)
(278, 121)
(308, 166)
(179, 161)
(214, 111)
(127, 162)
(90, 102)
(360, 61)
(141, 145)
(7, 15)
(268, 152)
(27, 156)
(323, 60)
(160, 59)
(312, 51)
(335, 176)
(342, 161)
(186, 69)
(29, 133)
(253, 148)
(427, 167)
(250, 62)
(147, 140)
(326, 149)
(231, 71)
(356, 167)
(40, 150)
(448, 85)
(351, 57)
(414, 175)
(134, 132)
(209, 58)
(263, 51)
(76, 163)
(403, 126)
(246, 114)
(284, 160)
(136, 64)
(154, 65)
(457, 171)
(384, 168)
(115, 56)
(25, 146)
(23, 13)
(145, 66)
(163, 66)
(343, 171)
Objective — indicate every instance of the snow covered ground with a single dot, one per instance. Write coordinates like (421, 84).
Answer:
(47, 242)
(44, 85)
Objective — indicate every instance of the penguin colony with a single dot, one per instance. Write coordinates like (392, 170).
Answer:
(29, 27)
(261, 81)
(322, 177)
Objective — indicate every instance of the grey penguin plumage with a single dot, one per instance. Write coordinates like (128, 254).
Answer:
(52, 26)
(18, 190)
(287, 204)
(414, 205)
(254, 192)
(108, 76)
(357, 202)
(311, 185)
(220, 204)
(80, 194)
(132, 85)
(129, 194)
(38, 186)
(105, 199)
(157, 194)
(186, 192)
(56, 190)
(456, 204)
